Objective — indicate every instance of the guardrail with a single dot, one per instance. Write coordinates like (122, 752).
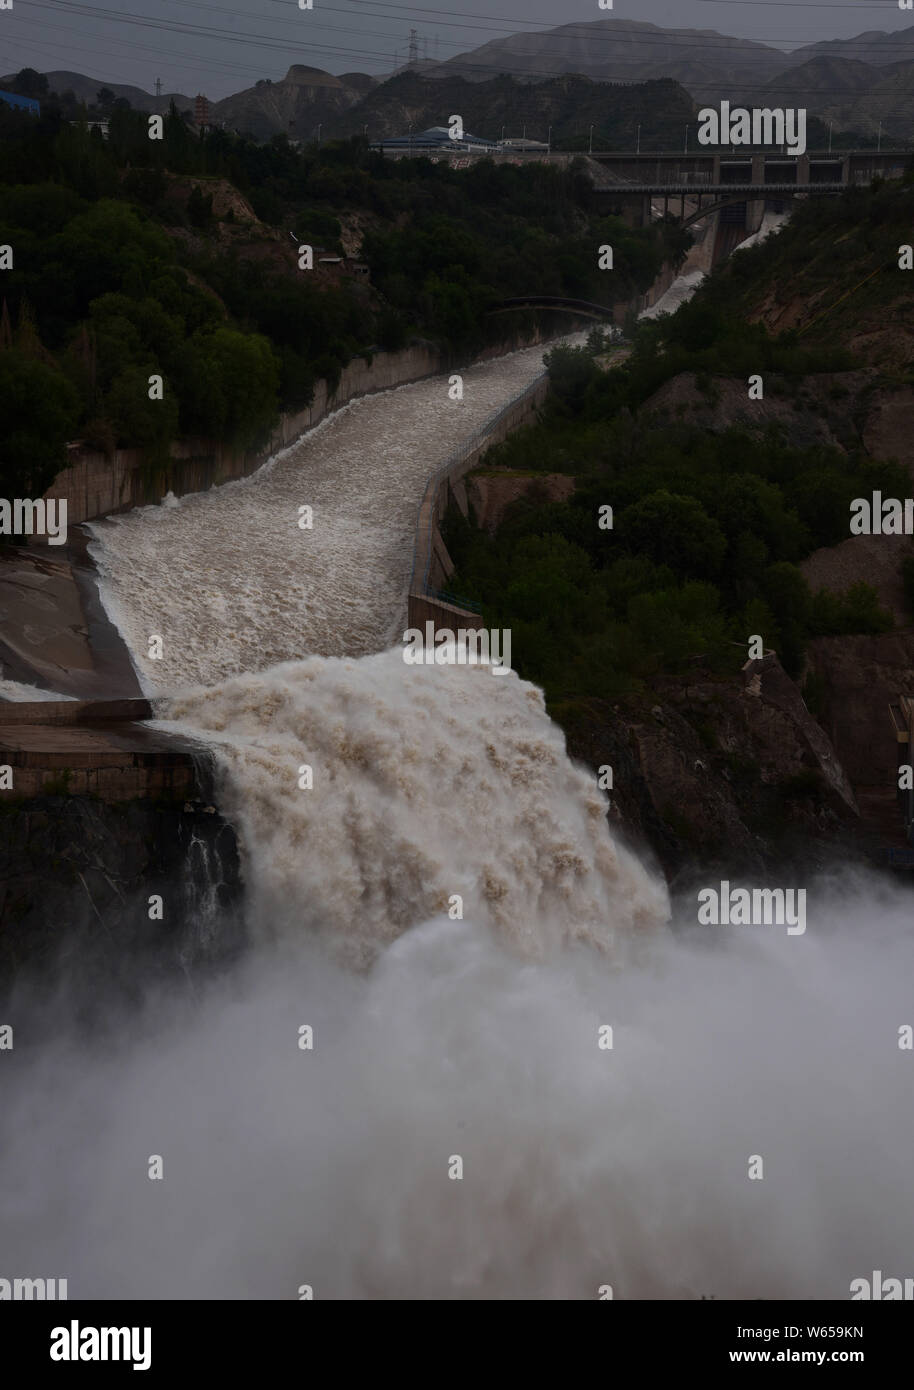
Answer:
(455, 600)
(757, 190)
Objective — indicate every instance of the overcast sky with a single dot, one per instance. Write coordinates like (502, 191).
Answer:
(200, 45)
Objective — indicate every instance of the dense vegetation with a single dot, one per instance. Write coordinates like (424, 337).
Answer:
(707, 529)
(122, 271)
(838, 255)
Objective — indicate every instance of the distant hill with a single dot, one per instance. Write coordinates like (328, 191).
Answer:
(851, 95)
(621, 50)
(568, 104)
(875, 46)
(85, 89)
(822, 80)
(304, 99)
(889, 102)
(853, 83)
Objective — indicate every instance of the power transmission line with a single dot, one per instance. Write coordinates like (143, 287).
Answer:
(68, 48)
(691, 40)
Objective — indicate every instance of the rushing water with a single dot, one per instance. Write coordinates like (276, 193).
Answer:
(428, 782)
(684, 286)
(449, 851)
(231, 583)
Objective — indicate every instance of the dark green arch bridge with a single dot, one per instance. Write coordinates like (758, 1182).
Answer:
(584, 307)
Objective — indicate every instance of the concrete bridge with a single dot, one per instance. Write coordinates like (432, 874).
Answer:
(707, 182)
(710, 198)
(757, 168)
(717, 178)
(710, 167)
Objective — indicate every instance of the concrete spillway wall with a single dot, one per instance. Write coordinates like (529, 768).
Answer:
(432, 565)
(96, 484)
(99, 810)
(105, 749)
(91, 748)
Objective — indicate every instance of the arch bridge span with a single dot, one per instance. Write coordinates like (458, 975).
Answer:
(584, 307)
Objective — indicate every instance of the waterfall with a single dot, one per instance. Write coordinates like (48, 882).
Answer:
(472, 1049)
(429, 782)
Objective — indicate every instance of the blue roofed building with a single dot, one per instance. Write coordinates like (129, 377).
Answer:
(436, 140)
(21, 103)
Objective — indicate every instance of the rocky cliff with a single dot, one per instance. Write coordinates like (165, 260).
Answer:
(711, 770)
(80, 883)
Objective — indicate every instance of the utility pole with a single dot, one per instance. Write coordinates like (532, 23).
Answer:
(413, 48)
(549, 141)
(879, 138)
(638, 145)
(591, 139)
(829, 135)
(158, 86)
(686, 151)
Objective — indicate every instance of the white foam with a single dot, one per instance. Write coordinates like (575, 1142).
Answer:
(19, 691)
(230, 582)
(428, 782)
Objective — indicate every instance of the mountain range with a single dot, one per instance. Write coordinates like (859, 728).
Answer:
(856, 84)
(619, 50)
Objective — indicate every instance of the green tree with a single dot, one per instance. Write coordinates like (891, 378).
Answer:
(138, 421)
(788, 596)
(199, 207)
(29, 83)
(676, 531)
(39, 414)
(231, 383)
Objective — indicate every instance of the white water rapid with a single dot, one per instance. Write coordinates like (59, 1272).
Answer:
(428, 782)
(230, 583)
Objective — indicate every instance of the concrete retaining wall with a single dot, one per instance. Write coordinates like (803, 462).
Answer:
(68, 712)
(96, 485)
(112, 762)
(432, 565)
(91, 748)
